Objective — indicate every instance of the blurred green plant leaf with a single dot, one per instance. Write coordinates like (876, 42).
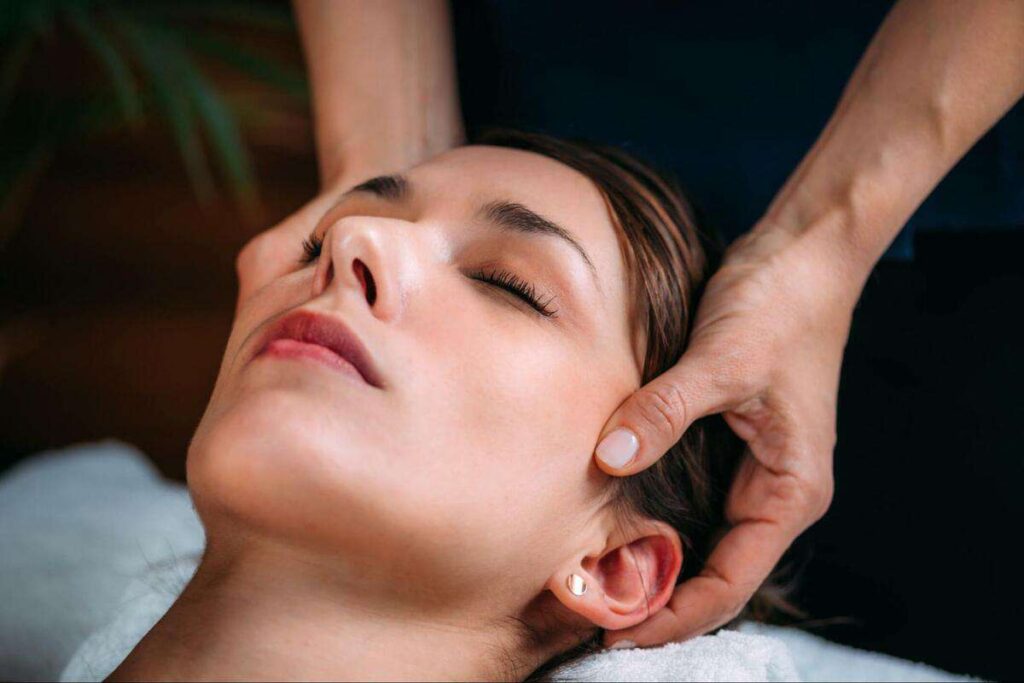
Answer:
(14, 63)
(117, 70)
(274, 17)
(20, 17)
(33, 136)
(145, 50)
(216, 116)
(172, 100)
(21, 24)
(18, 180)
(291, 81)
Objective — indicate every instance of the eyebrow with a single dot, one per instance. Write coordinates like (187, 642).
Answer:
(504, 214)
(516, 217)
(391, 187)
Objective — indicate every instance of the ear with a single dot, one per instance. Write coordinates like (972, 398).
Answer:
(630, 579)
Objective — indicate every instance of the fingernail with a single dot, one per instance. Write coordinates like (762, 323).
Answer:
(622, 645)
(618, 448)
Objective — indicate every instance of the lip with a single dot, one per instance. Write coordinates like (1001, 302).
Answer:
(321, 337)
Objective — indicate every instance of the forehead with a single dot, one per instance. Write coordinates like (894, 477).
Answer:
(549, 184)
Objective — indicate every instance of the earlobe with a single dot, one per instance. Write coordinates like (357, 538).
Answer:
(630, 580)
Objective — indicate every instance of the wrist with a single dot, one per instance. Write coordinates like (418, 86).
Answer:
(853, 200)
(825, 245)
(384, 91)
(386, 147)
(835, 227)
(868, 171)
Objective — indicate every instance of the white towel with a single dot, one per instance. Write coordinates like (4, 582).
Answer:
(726, 656)
(820, 660)
(76, 526)
(96, 547)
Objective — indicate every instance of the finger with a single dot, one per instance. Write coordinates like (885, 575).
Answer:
(737, 567)
(650, 421)
(275, 251)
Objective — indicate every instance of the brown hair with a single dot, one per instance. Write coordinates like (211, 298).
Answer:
(669, 258)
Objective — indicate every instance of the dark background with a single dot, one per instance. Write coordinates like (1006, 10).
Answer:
(117, 290)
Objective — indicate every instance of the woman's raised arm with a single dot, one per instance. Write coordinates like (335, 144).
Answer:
(385, 97)
(770, 331)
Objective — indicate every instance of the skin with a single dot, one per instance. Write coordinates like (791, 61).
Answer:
(358, 532)
(362, 128)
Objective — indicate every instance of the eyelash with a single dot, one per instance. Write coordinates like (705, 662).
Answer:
(518, 287)
(311, 249)
(510, 282)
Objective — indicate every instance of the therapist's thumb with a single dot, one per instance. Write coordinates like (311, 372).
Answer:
(654, 418)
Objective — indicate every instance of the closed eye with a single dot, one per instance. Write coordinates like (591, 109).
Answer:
(519, 287)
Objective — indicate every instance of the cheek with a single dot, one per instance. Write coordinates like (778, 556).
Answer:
(505, 414)
(505, 382)
(496, 379)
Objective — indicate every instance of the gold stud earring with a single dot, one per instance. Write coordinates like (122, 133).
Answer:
(577, 586)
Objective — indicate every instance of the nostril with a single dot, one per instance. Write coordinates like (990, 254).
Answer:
(366, 279)
(371, 287)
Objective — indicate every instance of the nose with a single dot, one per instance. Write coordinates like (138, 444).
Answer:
(363, 256)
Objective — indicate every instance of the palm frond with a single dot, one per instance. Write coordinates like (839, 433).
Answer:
(14, 63)
(164, 81)
(21, 24)
(277, 17)
(17, 181)
(106, 53)
(148, 52)
(230, 52)
(18, 17)
(216, 116)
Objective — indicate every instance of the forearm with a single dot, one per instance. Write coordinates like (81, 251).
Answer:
(935, 77)
(383, 83)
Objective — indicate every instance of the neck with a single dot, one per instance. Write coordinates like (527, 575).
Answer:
(272, 612)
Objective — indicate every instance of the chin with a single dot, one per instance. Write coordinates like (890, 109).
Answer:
(267, 460)
(275, 464)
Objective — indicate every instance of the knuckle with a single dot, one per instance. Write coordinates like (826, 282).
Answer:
(829, 438)
(249, 253)
(734, 609)
(821, 488)
(810, 484)
(746, 383)
(821, 497)
(815, 498)
(753, 289)
(664, 409)
(258, 250)
(739, 371)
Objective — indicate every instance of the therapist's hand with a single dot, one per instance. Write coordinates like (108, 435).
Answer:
(275, 252)
(771, 328)
(362, 129)
(765, 351)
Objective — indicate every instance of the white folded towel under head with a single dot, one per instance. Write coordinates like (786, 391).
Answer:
(726, 656)
(97, 547)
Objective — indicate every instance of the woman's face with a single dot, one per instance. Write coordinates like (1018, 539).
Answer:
(473, 460)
